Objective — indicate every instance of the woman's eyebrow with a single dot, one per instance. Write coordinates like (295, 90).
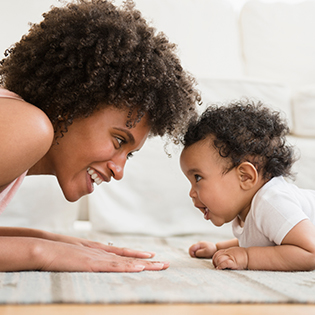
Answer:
(130, 136)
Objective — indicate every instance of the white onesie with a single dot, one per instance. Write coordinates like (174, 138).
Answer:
(275, 209)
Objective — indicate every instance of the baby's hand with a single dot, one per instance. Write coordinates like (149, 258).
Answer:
(231, 258)
(202, 250)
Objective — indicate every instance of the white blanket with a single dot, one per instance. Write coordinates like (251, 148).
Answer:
(187, 280)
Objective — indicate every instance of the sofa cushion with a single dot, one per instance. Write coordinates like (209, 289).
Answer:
(278, 41)
(222, 91)
(206, 32)
(39, 203)
(20, 13)
(303, 103)
(303, 168)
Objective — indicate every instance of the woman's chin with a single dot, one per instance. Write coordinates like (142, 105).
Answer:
(73, 195)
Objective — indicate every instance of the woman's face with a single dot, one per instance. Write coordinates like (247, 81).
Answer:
(94, 150)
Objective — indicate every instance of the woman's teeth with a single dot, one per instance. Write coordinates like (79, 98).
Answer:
(94, 176)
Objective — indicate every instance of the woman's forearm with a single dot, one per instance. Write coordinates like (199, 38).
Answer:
(35, 233)
(23, 232)
(20, 253)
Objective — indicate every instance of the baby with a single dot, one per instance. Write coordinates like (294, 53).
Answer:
(236, 159)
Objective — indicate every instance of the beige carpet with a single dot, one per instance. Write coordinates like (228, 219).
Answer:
(186, 281)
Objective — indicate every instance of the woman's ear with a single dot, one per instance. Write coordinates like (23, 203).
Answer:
(248, 175)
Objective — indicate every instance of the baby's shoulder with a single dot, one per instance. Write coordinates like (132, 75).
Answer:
(278, 196)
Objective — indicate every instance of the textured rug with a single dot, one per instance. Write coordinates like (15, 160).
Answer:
(186, 281)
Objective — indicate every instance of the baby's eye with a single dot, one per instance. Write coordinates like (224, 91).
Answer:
(197, 178)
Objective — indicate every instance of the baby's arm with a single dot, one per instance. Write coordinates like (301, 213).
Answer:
(207, 249)
(296, 252)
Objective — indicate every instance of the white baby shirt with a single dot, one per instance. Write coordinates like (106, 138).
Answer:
(275, 209)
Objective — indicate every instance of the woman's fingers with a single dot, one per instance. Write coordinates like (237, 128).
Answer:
(121, 251)
(127, 252)
(115, 263)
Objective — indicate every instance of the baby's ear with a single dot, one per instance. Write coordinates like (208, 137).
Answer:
(248, 175)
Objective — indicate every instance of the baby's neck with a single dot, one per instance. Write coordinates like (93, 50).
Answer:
(251, 193)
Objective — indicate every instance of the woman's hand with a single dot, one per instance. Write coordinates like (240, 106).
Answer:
(67, 257)
(112, 258)
(29, 249)
(26, 232)
(202, 250)
(121, 251)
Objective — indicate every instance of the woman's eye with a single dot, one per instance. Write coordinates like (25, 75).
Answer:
(197, 178)
(120, 141)
(129, 156)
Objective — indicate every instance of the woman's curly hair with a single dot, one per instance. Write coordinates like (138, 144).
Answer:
(88, 54)
(246, 131)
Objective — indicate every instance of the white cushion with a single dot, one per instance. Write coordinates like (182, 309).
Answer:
(39, 203)
(206, 32)
(304, 167)
(152, 198)
(278, 41)
(303, 103)
(20, 13)
(272, 94)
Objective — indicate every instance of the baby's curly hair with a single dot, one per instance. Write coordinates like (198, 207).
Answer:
(245, 131)
(89, 54)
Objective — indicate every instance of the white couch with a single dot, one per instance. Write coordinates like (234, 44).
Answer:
(262, 50)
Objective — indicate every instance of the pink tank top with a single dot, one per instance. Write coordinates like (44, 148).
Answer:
(7, 194)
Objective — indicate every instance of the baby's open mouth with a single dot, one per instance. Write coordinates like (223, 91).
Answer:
(205, 213)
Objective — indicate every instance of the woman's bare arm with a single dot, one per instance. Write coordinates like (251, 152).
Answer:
(41, 234)
(28, 253)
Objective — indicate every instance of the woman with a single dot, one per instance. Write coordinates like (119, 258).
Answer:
(81, 93)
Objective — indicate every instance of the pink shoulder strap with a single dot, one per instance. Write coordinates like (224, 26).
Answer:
(7, 194)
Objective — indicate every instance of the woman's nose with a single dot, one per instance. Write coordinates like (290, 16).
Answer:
(117, 168)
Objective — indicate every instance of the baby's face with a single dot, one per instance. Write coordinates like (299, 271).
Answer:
(215, 194)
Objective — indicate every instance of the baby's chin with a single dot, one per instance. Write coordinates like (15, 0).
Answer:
(217, 224)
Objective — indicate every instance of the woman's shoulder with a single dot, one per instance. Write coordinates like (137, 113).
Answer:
(18, 115)
(26, 134)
